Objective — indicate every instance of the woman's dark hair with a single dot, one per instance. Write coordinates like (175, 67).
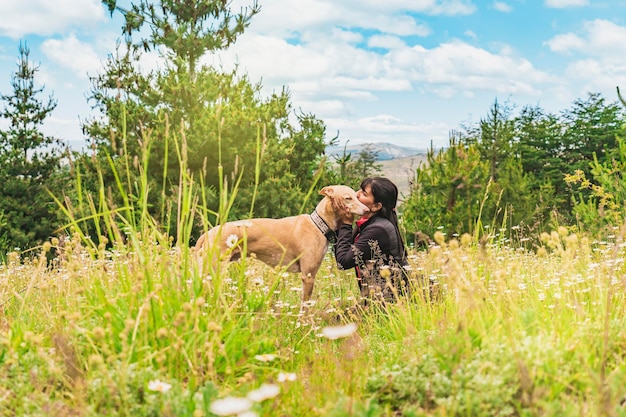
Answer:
(385, 192)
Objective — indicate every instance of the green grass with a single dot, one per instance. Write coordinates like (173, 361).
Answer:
(509, 333)
(127, 326)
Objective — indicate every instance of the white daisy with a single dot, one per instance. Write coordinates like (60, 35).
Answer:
(266, 357)
(232, 240)
(338, 332)
(264, 392)
(230, 406)
(248, 414)
(286, 376)
(159, 386)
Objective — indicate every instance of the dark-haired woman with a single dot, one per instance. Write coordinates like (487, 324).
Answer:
(375, 247)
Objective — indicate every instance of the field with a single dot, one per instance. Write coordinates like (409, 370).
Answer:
(490, 329)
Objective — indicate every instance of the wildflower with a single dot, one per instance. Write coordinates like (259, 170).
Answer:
(286, 376)
(466, 239)
(266, 357)
(571, 240)
(230, 406)
(248, 414)
(159, 386)
(264, 392)
(338, 332)
(99, 333)
(214, 327)
(440, 238)
(232, 240)
(385, 272)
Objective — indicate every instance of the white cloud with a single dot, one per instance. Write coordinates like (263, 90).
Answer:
(606, 38)
(601, 56)
(385, 42)
(462, 67)
(565, 43)
(44, 17)
(379, 128)
(471, 34)
(73, 54)
(598, 38)
(591, 75)
(502, 7)
(561, 4)
(286, 18)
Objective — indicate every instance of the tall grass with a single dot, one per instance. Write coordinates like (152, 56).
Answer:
(126, 325)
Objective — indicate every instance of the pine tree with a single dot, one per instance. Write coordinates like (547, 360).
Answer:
(29, 161)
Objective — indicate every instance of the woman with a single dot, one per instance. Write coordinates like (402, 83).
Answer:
(375, 247)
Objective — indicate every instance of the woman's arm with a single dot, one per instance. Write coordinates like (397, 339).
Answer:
(347, 252)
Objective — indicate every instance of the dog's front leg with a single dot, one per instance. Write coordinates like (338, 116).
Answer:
(308, 280)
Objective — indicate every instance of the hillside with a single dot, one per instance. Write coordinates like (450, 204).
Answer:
(402, 171)
(384, 150)
(398, 162)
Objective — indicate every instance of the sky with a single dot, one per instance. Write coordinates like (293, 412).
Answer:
(407, 72)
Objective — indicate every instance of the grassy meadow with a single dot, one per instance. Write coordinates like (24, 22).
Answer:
(135, 330)
(126, 325)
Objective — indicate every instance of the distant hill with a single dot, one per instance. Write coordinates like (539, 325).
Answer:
(398, 163)
(402, 171)
(384, 151)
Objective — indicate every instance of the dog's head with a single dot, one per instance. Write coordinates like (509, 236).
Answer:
(343, 197)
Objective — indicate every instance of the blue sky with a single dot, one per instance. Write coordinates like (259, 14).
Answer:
(401, 71)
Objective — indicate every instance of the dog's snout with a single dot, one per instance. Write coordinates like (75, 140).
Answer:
(364, 208)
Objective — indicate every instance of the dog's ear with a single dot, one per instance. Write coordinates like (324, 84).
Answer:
(328, 191)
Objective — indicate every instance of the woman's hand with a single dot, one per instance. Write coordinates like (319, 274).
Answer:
(344, 212)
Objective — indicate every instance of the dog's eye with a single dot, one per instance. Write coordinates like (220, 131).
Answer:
(348, 198)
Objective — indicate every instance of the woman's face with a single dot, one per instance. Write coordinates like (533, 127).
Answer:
(366, 197)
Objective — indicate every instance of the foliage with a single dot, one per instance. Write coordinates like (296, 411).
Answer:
(220, 115)
(604, 208)
(598, 203)
(528, 157)
(486, 383)
(29, 163)
(352, 171)
(135, 330)
(449, 191)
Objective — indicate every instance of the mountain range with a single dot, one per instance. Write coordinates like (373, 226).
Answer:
(384, 151)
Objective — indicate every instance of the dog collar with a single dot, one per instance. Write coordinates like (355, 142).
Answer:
(329, 233)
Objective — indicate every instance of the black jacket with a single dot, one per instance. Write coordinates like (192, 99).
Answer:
(377, 248)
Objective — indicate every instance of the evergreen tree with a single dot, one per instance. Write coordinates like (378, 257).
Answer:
(540, 149)
(29, 161)
(227, 126)
(592, 126)
(449, 192)
(495, 137)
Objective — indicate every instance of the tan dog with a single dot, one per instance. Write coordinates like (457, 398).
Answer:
(297, 243)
